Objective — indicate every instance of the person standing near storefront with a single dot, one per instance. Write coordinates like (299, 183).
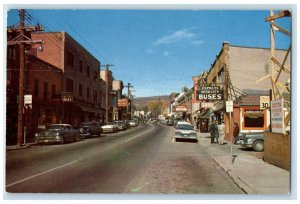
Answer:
(212, 130)
(236, 132)
(221, 129)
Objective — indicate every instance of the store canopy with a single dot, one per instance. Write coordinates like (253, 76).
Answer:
(89, 109)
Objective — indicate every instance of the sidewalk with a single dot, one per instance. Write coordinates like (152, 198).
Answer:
(250, 173)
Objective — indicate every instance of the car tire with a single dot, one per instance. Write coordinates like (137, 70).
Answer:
(258, 146)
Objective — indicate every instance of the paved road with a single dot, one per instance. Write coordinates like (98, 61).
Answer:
(144, 159)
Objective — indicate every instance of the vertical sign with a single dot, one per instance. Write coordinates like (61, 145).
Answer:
(229, 106)
(277, 116)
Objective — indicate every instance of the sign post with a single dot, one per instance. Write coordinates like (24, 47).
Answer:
(229, 109)
(26, 107)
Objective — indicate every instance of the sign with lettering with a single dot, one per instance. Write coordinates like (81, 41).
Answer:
(207, 105)
(122, 102)
(277, 116)
(264, 102)
(181, 108)
(210, 93)
(229, 106)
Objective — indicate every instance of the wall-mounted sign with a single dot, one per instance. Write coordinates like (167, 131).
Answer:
(207, 105)
(229, 106)
(181, 108)
(210, 93)
(27, 99)
(122, 102)
(277, 116)
(264, 102)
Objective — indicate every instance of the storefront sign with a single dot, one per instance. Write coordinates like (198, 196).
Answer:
(195, 106)
(254, 113)
(210, 93)
(66, 96)
(264, 102)
(229, 106)
(122, 102)
(207, 105)
(27, 99)
(181, 108)
(277, 116)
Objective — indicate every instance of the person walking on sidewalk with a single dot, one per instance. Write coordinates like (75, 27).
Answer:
(213, 128)
(236, 132)
(221, 129)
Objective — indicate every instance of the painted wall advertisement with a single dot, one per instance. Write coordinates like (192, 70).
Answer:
(277, 116)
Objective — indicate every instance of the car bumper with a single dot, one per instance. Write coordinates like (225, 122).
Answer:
(191, 137)
(244, 144)
(48, 140)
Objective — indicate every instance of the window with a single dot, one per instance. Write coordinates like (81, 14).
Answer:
(88, 92)
(70, 59)
(254, 118)
(45, 90)
(95, 96)
(80, 66)
(11, 54)
(53, 90)
(69, 85)
(36, 87)
(80, 90)
(88, 70)
(95, 75)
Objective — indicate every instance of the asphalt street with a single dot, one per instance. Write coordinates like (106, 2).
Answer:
(142, 160)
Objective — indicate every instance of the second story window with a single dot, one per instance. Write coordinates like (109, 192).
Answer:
(95, 96)
(36, 87)
(88, 71)
(80, 66)
(69, 85)
(53, 90)
(88, 92)
(70, 59)
(80, 90)
(45, 90)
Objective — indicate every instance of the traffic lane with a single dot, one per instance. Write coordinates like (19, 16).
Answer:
(182, 168)
(102, 171)
(21, 164)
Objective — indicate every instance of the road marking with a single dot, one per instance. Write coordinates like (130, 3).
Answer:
(39, 174)
(140, 134)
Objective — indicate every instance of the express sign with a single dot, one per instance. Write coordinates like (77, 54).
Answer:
(210, 93)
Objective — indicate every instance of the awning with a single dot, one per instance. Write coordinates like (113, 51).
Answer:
(89, 109)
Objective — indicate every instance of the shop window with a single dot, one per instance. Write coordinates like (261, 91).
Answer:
(254, 119)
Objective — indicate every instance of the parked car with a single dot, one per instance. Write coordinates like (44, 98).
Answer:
(88, 129)
(185, 130)
(109, 127)
(253, 140)
(132, 123)
(170, 122)
(57, 133)
(121, 125)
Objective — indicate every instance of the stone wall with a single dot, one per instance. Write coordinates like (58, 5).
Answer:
(277, 150)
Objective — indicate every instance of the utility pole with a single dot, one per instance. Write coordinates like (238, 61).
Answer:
(21, 40)
(106, 89)
(128, 97)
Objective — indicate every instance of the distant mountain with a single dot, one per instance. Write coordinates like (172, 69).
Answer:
(141, 102)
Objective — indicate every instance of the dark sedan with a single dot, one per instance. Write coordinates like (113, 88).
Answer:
(88, 129)
(253, 140)
(57, 133)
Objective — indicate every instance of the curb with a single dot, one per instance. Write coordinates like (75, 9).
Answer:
(238, 181)
(11, 148)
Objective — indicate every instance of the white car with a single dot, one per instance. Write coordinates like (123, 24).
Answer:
(109, 127)
(186, 131)
(132, 123)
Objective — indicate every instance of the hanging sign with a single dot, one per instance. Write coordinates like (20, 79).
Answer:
(210, 93)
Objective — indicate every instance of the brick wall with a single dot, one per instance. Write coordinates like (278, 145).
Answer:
(277, 150)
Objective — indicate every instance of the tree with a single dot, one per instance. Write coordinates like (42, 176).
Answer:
(185, 89)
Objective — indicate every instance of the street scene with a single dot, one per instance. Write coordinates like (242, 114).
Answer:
(148, 102)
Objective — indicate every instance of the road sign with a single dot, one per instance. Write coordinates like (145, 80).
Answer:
(229, 106)
(27, 99)
(264, 102)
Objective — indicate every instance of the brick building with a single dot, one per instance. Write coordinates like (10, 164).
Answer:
(107, 78)
(81, 84)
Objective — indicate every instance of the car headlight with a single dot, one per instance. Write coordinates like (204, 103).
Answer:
(36, 134)
(81, 129)
(57, 134)
(177, 133)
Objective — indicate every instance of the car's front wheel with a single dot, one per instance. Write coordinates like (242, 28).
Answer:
(258, 146)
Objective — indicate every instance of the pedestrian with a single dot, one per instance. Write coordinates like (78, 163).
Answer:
(236, 132)
(221, 129)
(212, 132)
(216, 136)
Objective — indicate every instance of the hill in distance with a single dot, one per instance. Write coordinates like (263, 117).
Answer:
(141, 102)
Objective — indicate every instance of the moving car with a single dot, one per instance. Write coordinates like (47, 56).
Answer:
(253, 140)
(88, 129)
(133, 123)
(57, 133)
(185, 130)
(109, 127)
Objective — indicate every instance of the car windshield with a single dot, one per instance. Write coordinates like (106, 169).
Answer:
(56, 127)
(185, 127)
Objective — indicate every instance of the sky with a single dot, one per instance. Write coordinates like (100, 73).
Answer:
(158, 51)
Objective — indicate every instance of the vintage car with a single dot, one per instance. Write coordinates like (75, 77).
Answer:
(57, 133)
(121, 125)
(109, 127)
(88, 129)
(133, 123)
(185, 131)
(253, 140)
